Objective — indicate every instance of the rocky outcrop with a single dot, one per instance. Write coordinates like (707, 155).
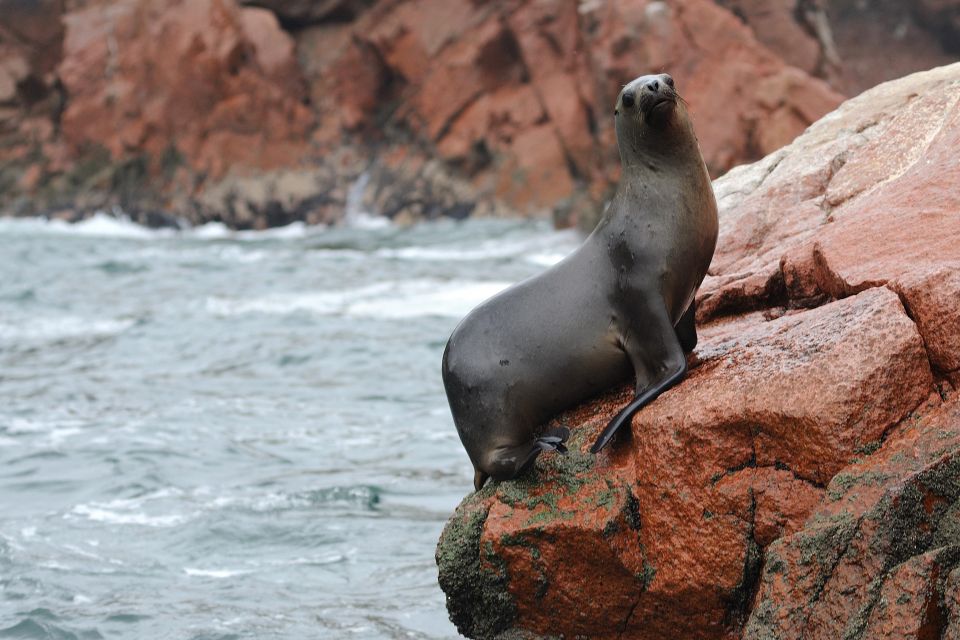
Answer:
(211, 110)
(802, 481)
(31, 43)
(261, 112)
(517, 95)
(853, 44)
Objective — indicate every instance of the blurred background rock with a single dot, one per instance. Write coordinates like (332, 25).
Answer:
(260, 113)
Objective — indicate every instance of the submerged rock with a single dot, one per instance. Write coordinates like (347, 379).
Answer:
(802, 482)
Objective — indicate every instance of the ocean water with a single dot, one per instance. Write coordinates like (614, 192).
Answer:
(214, 435)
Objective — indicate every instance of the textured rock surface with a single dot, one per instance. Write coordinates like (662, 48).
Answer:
(516, 96)
(449, 107)
(260, 112)
(866, 195)
(854, 44)
(884, 39)
(802, 482)
(872, 560)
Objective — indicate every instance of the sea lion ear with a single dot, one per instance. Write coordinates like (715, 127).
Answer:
(616, 112)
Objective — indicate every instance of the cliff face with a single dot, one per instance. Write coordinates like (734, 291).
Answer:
(261, 112)
(803, 481)
(211, 110)
(266, 112)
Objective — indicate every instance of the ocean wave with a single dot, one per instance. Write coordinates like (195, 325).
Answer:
(59, 328)
(131, 510)
(105, 225)
(220, 231)
(215, 573)
(108, 516)
(100, 224)
(544, 250)
(363, 496)
(388, 300)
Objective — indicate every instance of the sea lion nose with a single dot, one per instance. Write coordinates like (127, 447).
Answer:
(653, 86)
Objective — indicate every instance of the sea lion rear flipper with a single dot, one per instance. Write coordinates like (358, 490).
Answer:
(687, 328)
(658, 361)
(509, 462)
(479, 479)
(553, 439)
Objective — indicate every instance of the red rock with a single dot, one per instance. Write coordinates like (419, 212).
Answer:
(731, 91)
(793, 223)
(783, 27)
(202, 77)
(209, 88)
(829, 579)
(535, 174)
(448, 69)
(909, 605)
(738, 454)
(802, 481)
(932, 300)
(496, 119)
(551, 47)
(880, 41)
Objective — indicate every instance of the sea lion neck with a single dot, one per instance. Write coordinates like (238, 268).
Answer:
(649, 148)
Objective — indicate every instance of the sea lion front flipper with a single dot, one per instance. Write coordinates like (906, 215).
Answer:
(658, 361)
(645, 398)
(687, 328)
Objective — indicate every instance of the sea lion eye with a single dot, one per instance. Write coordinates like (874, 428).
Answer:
(669, 81)
(627, 99)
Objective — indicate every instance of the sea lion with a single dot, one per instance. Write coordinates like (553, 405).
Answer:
(622, 302)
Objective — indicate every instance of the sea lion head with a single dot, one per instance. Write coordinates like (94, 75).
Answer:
(651, 118)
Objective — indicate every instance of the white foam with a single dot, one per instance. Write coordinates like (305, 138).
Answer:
(367, 221)
(128, 510)
(58, 328)
(98, 514)
(546, 249)
(211, 230)
(391, 300)
(428, 299)
(214, 573)
(354, 216)
(119, 225)
(50, 427)
(293, 230)
(103, 225)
